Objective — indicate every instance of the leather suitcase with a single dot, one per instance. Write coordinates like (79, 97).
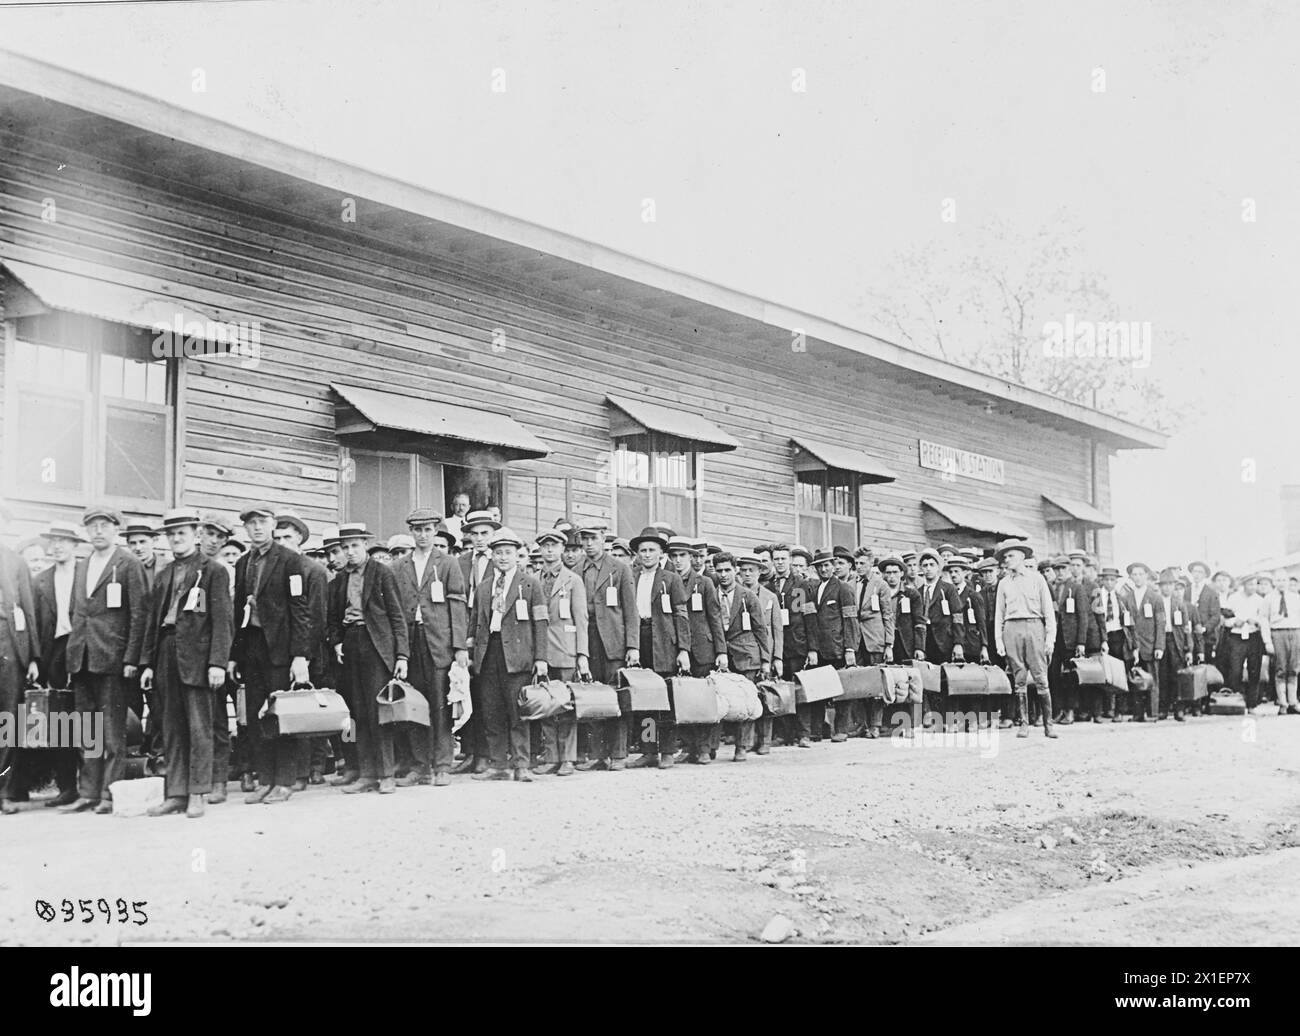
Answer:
(1140, 681)
(642, 690)
(308, 712)
(695, 702)
(1213, 677)
(42, 704)
(1227, 703)
(861, 681)
(399, 702)
(931, 676)
(901, 685)
(963, 678)
(1116, 674)
(820, 684)
(999, 682)
(779, 697)
(1089, 671)
(543, 699)
(1193, 683)
(594, 701)
(738, 700)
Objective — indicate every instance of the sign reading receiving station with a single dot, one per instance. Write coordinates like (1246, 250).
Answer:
(952, 461)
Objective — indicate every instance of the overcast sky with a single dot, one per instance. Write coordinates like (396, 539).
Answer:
(806, 197)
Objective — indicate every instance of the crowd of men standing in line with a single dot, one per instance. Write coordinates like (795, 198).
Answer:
(232, 619)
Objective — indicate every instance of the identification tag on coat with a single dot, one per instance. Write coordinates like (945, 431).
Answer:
(697, 602)
(566, 611)
(611, 597)
(113, 595)
(875, 602)
(436, 593)
(1146, 610)
(745, 623)
(1069, 606)
(295, 586)
(785, 616)
(248, 613)
(521, 609)
(666, 604)
(1178, 618)
(905, 603)
(1245, 633)
(1128, 618)
(194, 600)
(970, 615)
(943, 606)
(20, 620)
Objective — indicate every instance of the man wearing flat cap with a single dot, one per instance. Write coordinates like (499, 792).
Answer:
(945, 622)
(475, 565)
(109, 616)
(708, 639)
(272, 648)
(833, 635)
(1024, 625)
(1144, 626)
(566, 648)
(1075, 633)
(434, 601)
(1179, 640)
(793, 592)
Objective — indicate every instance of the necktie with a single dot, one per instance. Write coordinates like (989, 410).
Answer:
(498, 600)
(1282, 603)
(1110, 605)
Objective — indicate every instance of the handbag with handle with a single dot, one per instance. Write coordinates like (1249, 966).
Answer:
(543, 699)
(819, 684)
(594, 701)
(738, 700)
(1140, 681)
(642, 690)
(1089, 671)
(1116, 674)
(963, 678)
(999, 682)
(1213, 677)
(694, 701)
(931, 676)
(861, 681)
(399, 702)
(305, 712)
(1193, 683)
(779, 697)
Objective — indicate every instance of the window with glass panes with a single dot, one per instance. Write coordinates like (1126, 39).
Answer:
(1063, 537)
(90, 415)
(653, 483)
(826, 503)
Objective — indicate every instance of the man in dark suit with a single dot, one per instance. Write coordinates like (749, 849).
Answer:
(109, 614)
(272, 646)
(511, 617)
(832, 634)
(613, 636)
(793, 592)
(974, 648)
(475, 564)
(186, 652)
(1144, 624)
(1206, 612)
(1181, 643)
(664, 639)
(944, 622)
(369, 634)
(1073, 618)
(708, 640)
(52, 593)
(434, 601)
(140, 537)
(19, 656)
(749, 641)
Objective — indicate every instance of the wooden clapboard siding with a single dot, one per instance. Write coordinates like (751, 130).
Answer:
(338, 303)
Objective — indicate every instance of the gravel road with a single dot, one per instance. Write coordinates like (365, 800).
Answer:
(1162, 833)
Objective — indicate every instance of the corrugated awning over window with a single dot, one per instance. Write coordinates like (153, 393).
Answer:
(961, 516)
(1077, 510)
(693, 433)
(815, 455)
(411, 419)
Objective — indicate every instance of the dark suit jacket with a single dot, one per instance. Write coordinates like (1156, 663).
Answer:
(203, 639)
(708, 640)
(1207, 615)
(285, 617)
(833, 621)
(793, 593)
(381, 610)
(16, 588)
(1073, 615)
(1143, 634)
(989, 595)
(523, 641)
(669, 633)
(317, 579)
(54, 669)
(105, 639)
(909, 625)
(445, 625)
(465, 562)
(747, 649)
(972, 640)
(619, 627)
(1185, 639)
(943, 632)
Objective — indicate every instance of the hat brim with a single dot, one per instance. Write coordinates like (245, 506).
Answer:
(1002, 552)
(635, 542)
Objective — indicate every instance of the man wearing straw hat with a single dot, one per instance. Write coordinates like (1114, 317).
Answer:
(475, 566)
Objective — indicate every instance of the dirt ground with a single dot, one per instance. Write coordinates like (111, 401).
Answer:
(1162, 833)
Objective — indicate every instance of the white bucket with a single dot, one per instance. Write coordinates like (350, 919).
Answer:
(133, 798)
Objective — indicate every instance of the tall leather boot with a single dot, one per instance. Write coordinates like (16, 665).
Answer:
(1022, 714)
(1045, 706)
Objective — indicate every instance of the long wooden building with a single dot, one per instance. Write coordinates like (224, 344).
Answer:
(196, 314)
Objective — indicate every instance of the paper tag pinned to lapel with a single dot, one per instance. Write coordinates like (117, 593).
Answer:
(20, 620)
(1178, 618)
(521, 609)
(1146, 609)
(436, 594)
(785, 616)
(697, 602)
(194, 599)
(666, 604)
(295, 585)
(566, 610)
(875, 602)
(1069, 606)
(905, 603)
(745, 623)
(113, 595)
(943, 605)
(611, 597)
(970, 615)
(1128, 618)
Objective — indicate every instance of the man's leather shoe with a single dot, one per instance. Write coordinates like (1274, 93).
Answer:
(388, 786)
(8, 807)
(195, 808)
(480, 766)
(247, 783)
(316, 777)
(1022, 731)
(441, 779)
(299, 785)
(346, 778)
(79, 806)
(739, 756)
(413, 779)
(618, 764)
(103, 808)
(492, 775)
(837, 738)
(703, 759)
(357, 787)
(565, 769)
(523, 776)
(762, 750)
(278, 794)
(803, 742)
(643, 760)
(216, 796)
(466, 765)
(541, 769)
(66, 798)
(167, 807)
(666, 760)
(593, 764)
(257, 796)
